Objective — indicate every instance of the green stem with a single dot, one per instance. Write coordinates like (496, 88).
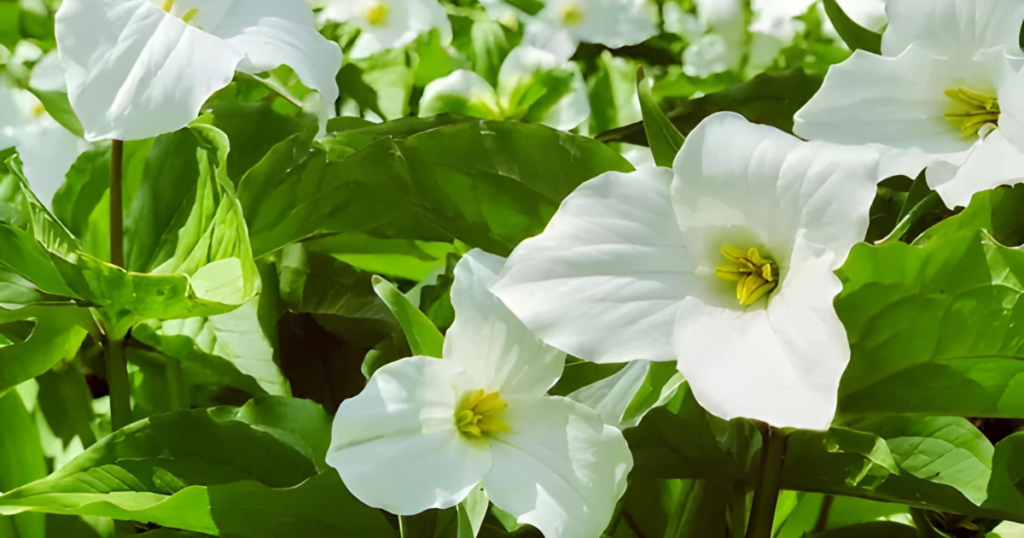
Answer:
(769, 483)
(178, 385)
(117, 366)
(120, 388)
(116, 204)
(823, 513)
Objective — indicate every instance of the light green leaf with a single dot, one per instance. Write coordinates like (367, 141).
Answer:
(423, 336)
(875, 529)
(664, 138)
(21, 461)
(57, 334)
(58, 107)
(878, 462)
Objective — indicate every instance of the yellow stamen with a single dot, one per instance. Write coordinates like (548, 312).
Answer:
(972, 111)
(38, 110)
(168, 5)
(479, 414)
(190, 14)
(571, 14)
(755, 275)
(377, 14)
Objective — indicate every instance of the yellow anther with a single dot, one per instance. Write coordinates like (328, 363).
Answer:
(755, 275)
(571, 14)
(168, 5)
(972, 111)
(479, 414)
(377, 13)
(38, 110)
(190, 14)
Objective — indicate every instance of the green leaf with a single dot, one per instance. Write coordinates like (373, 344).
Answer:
(488, 184)
(874, 529)
(663, 137)
(768, 99)
(410, 260)
(254, 128)
(939, 317)
(57, 334)
(66, 403)
(352, 85)
(21, 461)
(683, 508)
(58, 107)
(423, 336)
(855, 37)
(878, 462)
(163, 470)
(944, 450)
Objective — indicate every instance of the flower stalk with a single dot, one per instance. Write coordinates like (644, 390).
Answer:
(769, 482)
(117, 366)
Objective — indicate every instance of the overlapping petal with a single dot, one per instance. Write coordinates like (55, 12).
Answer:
(403, 22)
(396, 445)
(494, 347)
(558, 468)
(953, 27)
(605, 279)
(781, 364)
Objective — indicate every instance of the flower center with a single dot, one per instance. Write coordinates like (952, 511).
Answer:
(754, 275)
(571, 14)
(377, 14)
(38, 110)
(187, 17)
(972, 111)
(479, 414)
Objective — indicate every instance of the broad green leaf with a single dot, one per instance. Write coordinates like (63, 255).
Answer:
(392, 75)
(302, 424)
(944, 450)
(938, 317)
(423, 336)
(411, 260)
(254, 128)
(663, 137)
(769, 99)
(232, 349)
(879, 529)
(352, 86)
(66, 404)
(488, 184)
(855, 36)
(56, 335)
(21, 461)
(58, 107)
(678, 508)
(159, 470)
(349, 135)
(877, 463)
(613, 94)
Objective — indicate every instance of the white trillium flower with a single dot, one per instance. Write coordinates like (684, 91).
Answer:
(532, 85)
(727, 268)
(47, 149)
(140, 68)
(388, 24)
(426, 432)
(562, 25)
(945, 86)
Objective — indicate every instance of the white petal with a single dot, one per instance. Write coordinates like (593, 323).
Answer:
(487, 339)
(605, 279)
(48, 74)
(898, 102)
(472, 95)
(136, 72)
(406, 20)
(952, 27)
(552, 37)
(396, 445)
(613, 23)
(272, 33)
(611, 396)
(559, 468)
(780, 365)
(994, 162)
(48, 151)
(749, 185)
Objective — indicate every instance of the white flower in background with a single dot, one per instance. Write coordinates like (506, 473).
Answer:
(140, 68)
(425, 432)
(563, 24)
(532, 85)
(387, 24)
(726, 268)
(945, 86)
(717, 34)
(46, 148)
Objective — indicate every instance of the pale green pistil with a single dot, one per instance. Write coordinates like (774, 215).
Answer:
(571, 14)
(972, 111)
(754, 275)
(479, 414)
